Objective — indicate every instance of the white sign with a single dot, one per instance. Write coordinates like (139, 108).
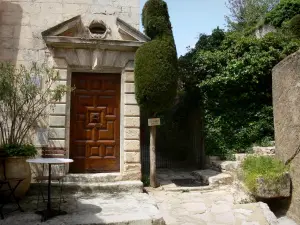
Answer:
(153, 122)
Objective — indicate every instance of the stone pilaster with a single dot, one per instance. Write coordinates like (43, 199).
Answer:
(131, 144)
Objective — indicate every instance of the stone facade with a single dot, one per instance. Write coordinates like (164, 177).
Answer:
(57, 32)
(286, 102)
(23, 21)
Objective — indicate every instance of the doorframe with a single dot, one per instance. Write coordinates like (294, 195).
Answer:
(130, 162)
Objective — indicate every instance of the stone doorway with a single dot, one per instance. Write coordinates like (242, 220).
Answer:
(73, 49)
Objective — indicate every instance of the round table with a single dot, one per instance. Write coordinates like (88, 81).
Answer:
(49, 212)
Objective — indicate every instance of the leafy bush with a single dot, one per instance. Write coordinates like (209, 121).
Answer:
(295, 25)
(262, 167)
(235, 80)
(25, 150)
(284, 11)
(26, 94)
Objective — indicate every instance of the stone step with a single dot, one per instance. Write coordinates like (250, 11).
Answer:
(225, 166)
(212, 177)
(81, 188)
(93, 177)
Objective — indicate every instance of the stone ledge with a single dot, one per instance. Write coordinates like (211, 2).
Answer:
(83, 188)
(93, 178)
(213, 178)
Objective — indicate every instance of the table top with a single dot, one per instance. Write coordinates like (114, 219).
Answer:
(50, 160)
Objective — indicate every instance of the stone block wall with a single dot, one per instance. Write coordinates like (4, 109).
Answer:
(286, 102)
(132, 159)
(22, 21)
(21, 42)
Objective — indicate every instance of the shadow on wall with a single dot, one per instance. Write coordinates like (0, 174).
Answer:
(10, 25)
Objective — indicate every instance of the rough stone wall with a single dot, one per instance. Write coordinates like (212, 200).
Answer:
(264, 30)
(22, 21)
(286, 102)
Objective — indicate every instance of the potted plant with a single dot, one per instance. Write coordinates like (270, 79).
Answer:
(266, 177)
(26, 97)
(16, 165)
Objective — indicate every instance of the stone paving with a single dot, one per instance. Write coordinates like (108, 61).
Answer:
(115, 208)
(210, 208)
(209, 205)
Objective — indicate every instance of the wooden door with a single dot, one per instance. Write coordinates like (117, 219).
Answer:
(95, 123)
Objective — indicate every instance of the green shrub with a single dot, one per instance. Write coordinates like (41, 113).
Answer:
(156, 75)
(284, 11)
(219, 67)
(268, 168)
(156, 61)
(295, 25)
(155, 19)
(25, 150)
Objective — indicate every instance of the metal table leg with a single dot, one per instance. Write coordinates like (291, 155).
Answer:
(49, 212)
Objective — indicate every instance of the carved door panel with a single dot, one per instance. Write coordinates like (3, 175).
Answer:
(95, 123)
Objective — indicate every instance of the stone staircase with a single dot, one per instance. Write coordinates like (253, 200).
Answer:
(199, 180)
(91, 184)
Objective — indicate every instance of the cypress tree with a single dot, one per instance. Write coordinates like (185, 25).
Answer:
(156, 72)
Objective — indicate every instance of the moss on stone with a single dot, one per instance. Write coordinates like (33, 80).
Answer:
(264, 168)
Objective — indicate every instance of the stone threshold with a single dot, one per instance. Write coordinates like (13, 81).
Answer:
(91, 189)
(93, 177)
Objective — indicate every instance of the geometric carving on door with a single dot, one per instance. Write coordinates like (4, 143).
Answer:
(96, 117)
(95, 123)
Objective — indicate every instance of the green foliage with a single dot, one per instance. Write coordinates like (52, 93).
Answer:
(245, 14)
(211, 42)
(235, 82)
(155, 19)
(284, 11)
(156, 68)
(254, 167)
(25, 150)
(155, 75)
(265, 142)
(295, 25)
(25, 95)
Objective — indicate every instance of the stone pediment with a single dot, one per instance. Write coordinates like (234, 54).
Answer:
(80, 32)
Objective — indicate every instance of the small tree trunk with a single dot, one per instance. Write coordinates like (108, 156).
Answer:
(153, 181)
